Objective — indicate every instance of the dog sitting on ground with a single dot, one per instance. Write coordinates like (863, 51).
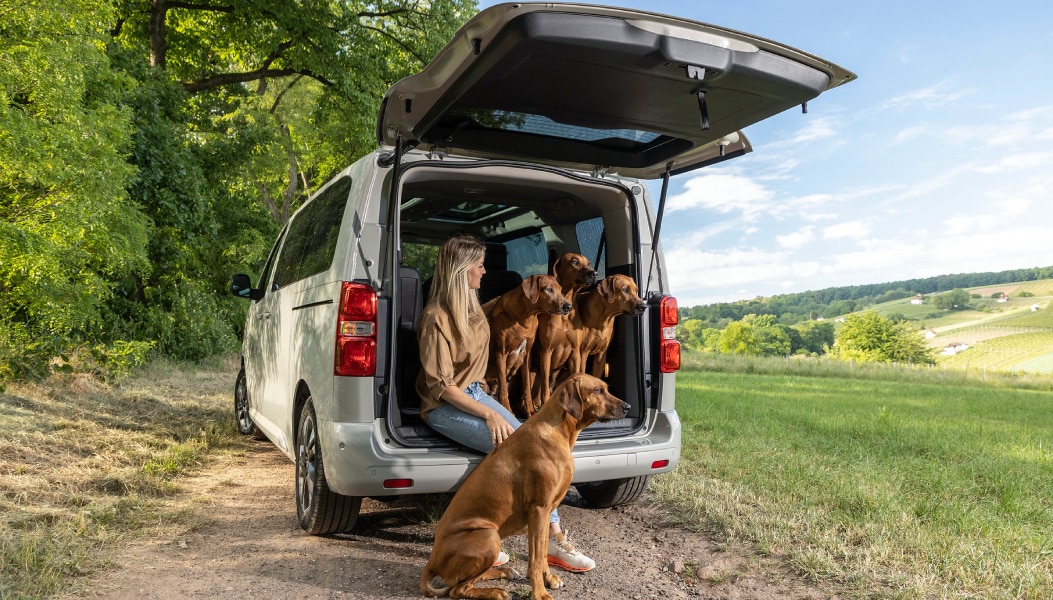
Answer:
(515, 488)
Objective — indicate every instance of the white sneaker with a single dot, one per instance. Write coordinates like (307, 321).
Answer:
(563, 554)
(502, 558)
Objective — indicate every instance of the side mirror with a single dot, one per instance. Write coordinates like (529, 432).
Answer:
(241, 286)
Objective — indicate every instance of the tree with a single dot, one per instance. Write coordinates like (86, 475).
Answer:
(69, 233)
(153, 147)
(690, 333)
(816, 335)
(956, 299)
(870, 337)
(737, 338)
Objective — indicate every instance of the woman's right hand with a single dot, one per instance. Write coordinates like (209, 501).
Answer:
(499, 428)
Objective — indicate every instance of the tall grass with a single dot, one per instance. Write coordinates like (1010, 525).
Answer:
(928, 487)
(85, 464)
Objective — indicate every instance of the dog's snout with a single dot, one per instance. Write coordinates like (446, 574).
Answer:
(565, 308)
(640, 308)
(626, 406)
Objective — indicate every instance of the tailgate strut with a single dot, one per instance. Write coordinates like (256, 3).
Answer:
(657, 229)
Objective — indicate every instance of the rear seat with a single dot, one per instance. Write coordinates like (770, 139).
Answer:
(498, 279)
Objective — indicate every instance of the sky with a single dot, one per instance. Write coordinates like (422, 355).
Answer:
(938, 159)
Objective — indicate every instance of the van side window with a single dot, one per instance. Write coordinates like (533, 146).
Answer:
(311, 239)
(528, 255)
(592, 244)
(266, 272)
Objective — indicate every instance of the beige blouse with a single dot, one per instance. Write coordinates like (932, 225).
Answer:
(446, 360)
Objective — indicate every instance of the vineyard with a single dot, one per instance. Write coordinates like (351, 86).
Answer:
(1006, 353)
(1021, 339)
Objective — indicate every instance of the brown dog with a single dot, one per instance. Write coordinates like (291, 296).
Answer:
(513, 327)
(592, 323)
(553, 347)
(516, 487)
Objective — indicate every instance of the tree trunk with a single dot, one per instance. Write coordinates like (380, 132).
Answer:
(158, 41)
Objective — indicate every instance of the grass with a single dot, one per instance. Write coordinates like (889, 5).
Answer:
(881, 488)
(85, 465)
(877, 481)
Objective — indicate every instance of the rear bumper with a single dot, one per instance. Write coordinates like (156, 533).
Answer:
(359, 459)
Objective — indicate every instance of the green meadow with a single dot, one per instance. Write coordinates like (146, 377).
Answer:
(903, 485)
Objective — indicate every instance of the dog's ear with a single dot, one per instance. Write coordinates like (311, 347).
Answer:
(531, 289)
(606, 289)
(555, 266)
(572, 401)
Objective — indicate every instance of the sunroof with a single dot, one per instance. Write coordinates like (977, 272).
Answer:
(540, 125)
(470, 211)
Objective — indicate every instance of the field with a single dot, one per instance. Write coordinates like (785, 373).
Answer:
(1003, 336)
(870, 480)
(889, 489)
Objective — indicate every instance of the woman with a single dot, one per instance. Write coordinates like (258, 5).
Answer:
(454, 342)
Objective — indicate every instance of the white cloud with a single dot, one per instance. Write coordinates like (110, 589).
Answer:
(820, 128)
(910, 133)
(1005, 211)
(797, 239)
(857, 229)
(1018, 162)
(934, 96)
(722, 191)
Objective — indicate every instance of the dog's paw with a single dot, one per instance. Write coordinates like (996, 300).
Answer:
(510, 573)
(552, 581)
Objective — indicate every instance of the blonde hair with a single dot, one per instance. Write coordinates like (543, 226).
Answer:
(449, 286)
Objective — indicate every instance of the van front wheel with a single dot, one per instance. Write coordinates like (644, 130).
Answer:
(614, 492)
(241, 407)
(319, 510)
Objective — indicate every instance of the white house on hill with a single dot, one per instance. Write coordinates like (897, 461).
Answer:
(955, 348)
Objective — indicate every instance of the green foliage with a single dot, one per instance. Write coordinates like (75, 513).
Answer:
(870, 337)
(738, 338)
(68, 232)
(816, 336)
(143, 165)
(957, 299)
(838, 301)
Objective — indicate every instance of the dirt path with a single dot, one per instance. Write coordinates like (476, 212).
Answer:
(252, 546)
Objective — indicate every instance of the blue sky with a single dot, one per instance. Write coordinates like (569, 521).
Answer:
(938, 159)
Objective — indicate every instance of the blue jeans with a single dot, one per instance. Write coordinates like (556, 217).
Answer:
(470, 430)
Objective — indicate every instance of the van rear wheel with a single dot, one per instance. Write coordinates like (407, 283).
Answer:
(613, 492)
(319, 510)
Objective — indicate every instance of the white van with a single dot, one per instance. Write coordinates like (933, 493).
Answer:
(530, 130)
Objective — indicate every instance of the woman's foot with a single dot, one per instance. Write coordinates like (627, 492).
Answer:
(563, 554)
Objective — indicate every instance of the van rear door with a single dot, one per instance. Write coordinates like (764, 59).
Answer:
(592, 87)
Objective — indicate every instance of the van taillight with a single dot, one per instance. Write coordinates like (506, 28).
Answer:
(356, 331)
(668, 347)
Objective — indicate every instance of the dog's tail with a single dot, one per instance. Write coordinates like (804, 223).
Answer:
(426, 588)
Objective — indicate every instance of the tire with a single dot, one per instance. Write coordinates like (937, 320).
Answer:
(241, 407)
(319, 510)
(614, 492)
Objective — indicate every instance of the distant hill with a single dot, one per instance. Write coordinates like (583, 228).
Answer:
(836, 301)
(1007, 327)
